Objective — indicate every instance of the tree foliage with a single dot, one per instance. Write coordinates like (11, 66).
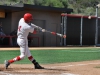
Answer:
(84, 7)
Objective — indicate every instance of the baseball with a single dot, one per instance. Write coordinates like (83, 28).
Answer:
(89, 17)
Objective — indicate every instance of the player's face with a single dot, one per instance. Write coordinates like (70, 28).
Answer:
(30, 20)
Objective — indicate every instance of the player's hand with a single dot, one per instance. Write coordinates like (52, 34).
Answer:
(43, 30)
(64, 36)
(53, 33)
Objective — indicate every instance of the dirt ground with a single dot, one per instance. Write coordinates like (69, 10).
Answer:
(72, 68)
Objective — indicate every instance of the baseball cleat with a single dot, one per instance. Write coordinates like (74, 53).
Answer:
(37, 66)
(6, 63)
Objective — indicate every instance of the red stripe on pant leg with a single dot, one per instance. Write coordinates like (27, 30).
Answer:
(15, 59)
(30, 58)
(11, 61)
(18, 58)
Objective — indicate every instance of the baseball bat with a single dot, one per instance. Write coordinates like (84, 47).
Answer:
(43, 30)
(58, 34)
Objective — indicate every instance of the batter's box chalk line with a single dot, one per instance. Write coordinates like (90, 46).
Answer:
(3, 73)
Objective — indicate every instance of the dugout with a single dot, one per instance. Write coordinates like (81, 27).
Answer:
(44, 16)
(80, 30)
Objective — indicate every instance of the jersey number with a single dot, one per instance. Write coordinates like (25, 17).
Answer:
(19, 28)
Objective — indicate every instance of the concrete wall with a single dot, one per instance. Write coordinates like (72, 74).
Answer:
(48, 20)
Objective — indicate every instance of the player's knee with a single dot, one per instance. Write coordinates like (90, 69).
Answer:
(22, 56)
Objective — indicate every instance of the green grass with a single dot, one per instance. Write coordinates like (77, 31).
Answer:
(54, 56)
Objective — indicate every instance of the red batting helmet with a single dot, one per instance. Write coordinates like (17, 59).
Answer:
(28, 17)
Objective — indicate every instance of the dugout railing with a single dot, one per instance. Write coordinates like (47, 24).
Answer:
(11, 41)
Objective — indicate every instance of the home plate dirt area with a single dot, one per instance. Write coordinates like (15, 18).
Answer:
(70, 68)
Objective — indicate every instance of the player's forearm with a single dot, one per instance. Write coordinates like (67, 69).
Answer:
(37, 27)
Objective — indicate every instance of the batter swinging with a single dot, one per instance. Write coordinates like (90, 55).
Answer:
(24, 28)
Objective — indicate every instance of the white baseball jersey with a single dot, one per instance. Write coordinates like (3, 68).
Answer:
(24, 29)
(22, 33)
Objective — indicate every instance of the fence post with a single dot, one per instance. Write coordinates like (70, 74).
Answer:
(96, 29)
(65, 27)
(81, 30)
(61, 39)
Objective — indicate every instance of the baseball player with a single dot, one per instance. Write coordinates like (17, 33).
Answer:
(24, 28)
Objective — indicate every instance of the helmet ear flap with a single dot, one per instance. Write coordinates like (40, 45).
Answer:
(28, 17)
